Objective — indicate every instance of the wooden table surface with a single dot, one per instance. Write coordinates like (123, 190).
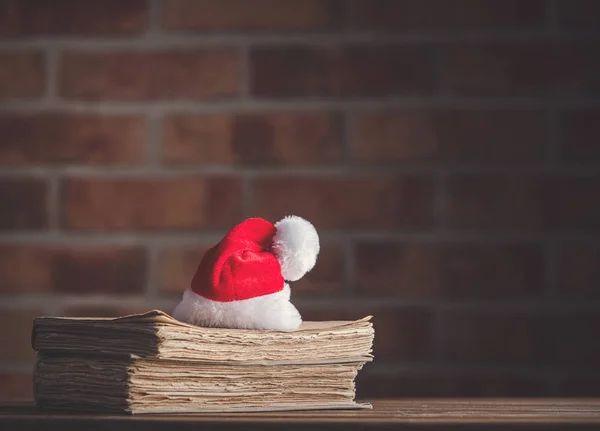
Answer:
(421, 414)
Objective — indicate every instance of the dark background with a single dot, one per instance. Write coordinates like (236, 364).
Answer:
(447, 151)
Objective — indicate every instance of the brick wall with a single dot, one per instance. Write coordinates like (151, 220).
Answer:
(447, 151)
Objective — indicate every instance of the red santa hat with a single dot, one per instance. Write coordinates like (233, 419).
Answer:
(241, 282)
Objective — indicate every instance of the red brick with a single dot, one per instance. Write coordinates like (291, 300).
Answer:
(347, 202)
(62, 138)
(450, 135)
(442, 16)
(401, 334)
(490, 337)
(525, 202)
(327, 277)
(150, 75)
(72, 17)
(21, 74)
(350, 71)
(17, 386)
(571, 338)
(582, 386)
(16, 341)
(491, 201)
(521, 69)
(23, 204)
(572, 202)
(240, 15)
(60, 268)
(371, 384)
(579, 14)
(577, 68)
(578, 270)
(495, 70)
(417, 270)
(178, 265)
(579, 135)
(151, 203)
(278, 138)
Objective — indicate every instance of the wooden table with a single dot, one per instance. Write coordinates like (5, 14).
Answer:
(423, 414)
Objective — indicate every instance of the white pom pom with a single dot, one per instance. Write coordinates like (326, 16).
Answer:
(296, 245)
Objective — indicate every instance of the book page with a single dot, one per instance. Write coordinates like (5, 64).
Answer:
(158, 316)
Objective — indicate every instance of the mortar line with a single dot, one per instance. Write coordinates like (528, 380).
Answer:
(435, 334)
(154, 14)
(294, 105)
(551, 18)
(438, 65)
(529, 307)
(154, 137)
(348, 134)
(424, 171)
(349, 281)
(440, 200)
(553, 162)
(52, 72)
(551, 268)
(150, 41)
(53, 309)
(152, 273)
(247, 196)
(553, 134)
(53, 204)
(133, 237)
(60, 303)
(244, 72)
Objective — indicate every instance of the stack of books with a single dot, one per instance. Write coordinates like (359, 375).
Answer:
(152, 363)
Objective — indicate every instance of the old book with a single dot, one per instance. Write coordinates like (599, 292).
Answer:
(164, 386)
(152, 363)
(157, 335)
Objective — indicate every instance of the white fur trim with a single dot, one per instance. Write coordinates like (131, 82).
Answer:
(274, 311)
(296, 245)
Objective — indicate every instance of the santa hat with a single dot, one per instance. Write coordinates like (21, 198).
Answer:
(241, 281)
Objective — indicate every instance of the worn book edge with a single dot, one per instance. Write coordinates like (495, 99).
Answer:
(158, 316)
(162, 318)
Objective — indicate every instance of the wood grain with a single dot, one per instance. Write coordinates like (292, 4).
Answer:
(495, 414)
